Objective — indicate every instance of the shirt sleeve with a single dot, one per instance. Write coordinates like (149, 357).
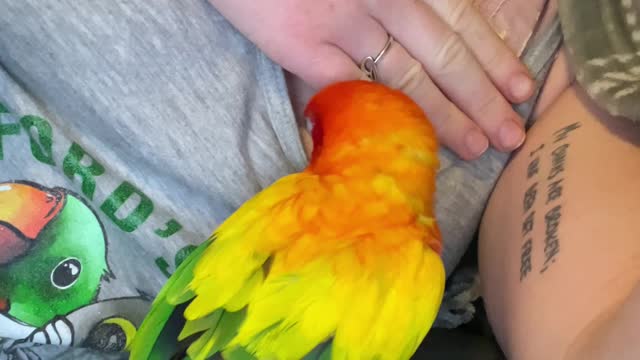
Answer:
(603, 39)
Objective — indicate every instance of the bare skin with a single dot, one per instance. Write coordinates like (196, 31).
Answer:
(438, 45)
(560, 269)
(512, 20)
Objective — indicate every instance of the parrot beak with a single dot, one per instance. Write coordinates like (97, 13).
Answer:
(5, 306)
(24, 211)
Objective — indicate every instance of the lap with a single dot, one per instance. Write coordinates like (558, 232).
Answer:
(560, 239)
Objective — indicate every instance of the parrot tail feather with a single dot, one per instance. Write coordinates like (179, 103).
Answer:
(160, 341)
(321, 352)
(158, 334)
(216, 338)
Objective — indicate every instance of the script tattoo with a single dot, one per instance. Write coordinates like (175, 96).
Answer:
(533, 169)
(555, 185)
(551, 210)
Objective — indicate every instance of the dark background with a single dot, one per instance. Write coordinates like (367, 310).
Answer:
(473, 340)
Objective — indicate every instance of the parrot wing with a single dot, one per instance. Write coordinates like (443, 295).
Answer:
(298, 273)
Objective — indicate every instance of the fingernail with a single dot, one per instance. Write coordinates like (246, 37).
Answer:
(476, 142)
(511, 135)
(521, 87)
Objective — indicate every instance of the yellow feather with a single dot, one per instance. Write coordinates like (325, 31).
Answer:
(298, 316)
(346, 251)
(245, 294)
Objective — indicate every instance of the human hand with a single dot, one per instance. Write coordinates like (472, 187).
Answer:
(444, 55)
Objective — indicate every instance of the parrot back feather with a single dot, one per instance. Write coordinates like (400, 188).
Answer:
(339, 261)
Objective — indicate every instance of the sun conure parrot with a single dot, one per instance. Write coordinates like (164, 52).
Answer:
(339, 261)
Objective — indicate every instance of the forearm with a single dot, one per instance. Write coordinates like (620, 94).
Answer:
(559, 239)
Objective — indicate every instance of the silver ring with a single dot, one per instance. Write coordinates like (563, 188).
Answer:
(368, 64)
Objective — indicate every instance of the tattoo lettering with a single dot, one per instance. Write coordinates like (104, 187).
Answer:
(529, 215)
(527, 246)
(536, 150)
(525, 258)
(553, 182)
(551, 241)
(530, 197)
(562, 134)
(558, 157)
(554, 190)
(527, 225)
(554, 194)
(534, 168)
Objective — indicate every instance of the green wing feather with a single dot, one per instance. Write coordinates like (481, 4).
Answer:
(157, 337)
(166, 334)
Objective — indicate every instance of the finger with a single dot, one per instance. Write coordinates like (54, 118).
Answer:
(399, 70)
(501, 64)
(324, 64)
(452, 67)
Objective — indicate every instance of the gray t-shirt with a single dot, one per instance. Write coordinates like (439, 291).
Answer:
(128, 131)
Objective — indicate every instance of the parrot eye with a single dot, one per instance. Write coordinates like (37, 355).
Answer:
(66, 273)
(309, 125)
